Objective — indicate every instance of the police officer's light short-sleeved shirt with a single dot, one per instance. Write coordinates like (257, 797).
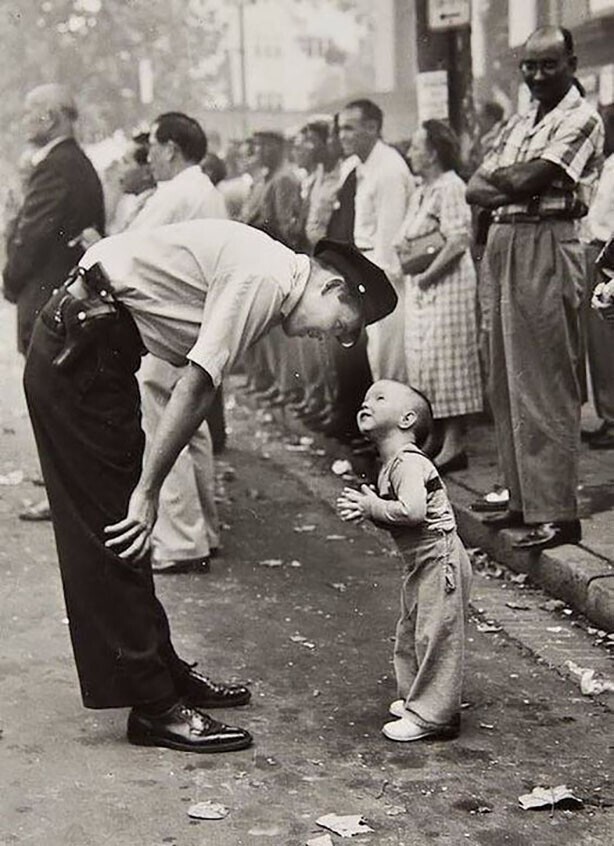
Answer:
(204, 290)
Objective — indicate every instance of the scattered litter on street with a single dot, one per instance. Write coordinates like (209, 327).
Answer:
(396, 810)
(340, 586)
(591, 682)
(552, 605)
(271, 562)
(295, 563)
(336, 537)
(323, 840)
(518, 606)
(341, 466)
(344, 826)
(309, 527)
(208, 811)
(488, 628)
(549, 797)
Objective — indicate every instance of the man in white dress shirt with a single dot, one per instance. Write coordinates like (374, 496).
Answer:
(383, 187)
(187, 529)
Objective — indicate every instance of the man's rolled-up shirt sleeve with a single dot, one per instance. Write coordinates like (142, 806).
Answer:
(237, 312)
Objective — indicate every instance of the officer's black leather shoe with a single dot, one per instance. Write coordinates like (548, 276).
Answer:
(200, 692)
(187, 730)
(549, 535)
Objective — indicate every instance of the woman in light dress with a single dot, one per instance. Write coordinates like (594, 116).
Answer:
(441, 337)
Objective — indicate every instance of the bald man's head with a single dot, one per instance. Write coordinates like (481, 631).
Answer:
(50, 112)
(548, 64)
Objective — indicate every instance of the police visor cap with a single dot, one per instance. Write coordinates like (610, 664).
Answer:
(367, 282)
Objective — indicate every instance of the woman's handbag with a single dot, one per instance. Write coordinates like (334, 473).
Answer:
(417, 253)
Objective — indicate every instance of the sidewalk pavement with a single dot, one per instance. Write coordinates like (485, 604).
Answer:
(582, 575)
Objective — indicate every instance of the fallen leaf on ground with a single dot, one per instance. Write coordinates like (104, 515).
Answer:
(338, 586)
(519, 578)
(341, 466)
(271, 562)
(591, 682)
(345, 826)
(15, 477)
(488, 628)
(518, 606)
(549, 797)
(265, 831)
(324, 840)
(208, 811)
(396, 810)
(552, 605)
(305, 528)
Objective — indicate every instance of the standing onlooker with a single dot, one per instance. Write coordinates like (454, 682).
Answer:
(441, 341)
(62, 198)
(600, 333)
(241, 169)
(351, 365)
(317, 192)
(383, 188)
(274, 206)
(136, 182)
(187, 528)
(538, 180)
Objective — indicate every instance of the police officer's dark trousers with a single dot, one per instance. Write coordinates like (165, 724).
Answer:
(87, 426)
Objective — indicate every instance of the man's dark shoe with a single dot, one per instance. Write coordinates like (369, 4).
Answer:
(200, 692)
(549, 535)
(507, 520)
(603, 441)
(186, 729)
(184, 565)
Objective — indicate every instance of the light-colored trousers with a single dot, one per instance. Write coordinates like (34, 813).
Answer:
(386, 340)
(536, 272)
(188, 523)
(429, 651)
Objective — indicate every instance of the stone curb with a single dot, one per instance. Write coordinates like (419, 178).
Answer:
(572, 573)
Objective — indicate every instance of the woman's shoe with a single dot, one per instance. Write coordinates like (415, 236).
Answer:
(459, 462)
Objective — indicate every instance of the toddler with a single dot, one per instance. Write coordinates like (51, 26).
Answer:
(413, 505)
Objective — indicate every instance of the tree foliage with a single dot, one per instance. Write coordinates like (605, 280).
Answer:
(95, 47)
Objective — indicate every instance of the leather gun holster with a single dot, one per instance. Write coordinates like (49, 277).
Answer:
(84, 319)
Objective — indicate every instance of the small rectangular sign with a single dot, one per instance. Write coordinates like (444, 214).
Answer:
(447, 14)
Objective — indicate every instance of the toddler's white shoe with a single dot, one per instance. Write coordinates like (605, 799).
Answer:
(397, 708)
(405, 730)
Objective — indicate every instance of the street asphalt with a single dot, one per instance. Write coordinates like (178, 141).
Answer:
(303, 607)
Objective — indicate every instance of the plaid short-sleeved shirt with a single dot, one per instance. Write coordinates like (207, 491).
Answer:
(571, 136)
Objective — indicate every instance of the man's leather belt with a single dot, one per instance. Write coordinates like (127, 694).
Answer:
(522, 217)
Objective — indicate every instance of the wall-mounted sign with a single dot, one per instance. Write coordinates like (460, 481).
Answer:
(432, 89)
(447, 14)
